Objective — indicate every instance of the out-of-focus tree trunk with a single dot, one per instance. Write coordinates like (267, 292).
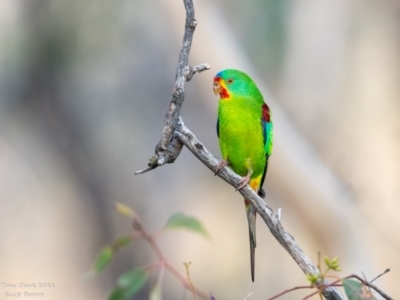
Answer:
(367, 128)
(315, 64)
(341, 88)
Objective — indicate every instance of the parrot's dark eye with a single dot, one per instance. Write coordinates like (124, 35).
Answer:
(230, 80)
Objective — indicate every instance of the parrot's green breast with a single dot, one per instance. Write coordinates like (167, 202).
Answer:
(240, 135)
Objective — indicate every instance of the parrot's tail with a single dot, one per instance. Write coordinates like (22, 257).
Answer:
(251, 219)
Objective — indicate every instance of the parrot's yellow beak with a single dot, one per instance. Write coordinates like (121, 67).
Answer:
(216, 88)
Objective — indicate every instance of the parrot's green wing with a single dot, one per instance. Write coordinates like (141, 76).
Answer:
(268, 141)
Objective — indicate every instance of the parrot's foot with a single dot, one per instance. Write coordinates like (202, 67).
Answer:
(245, 180)
(222, 163)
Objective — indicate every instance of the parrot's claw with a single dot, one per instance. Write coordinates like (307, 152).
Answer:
(245, 180)
(221, 164)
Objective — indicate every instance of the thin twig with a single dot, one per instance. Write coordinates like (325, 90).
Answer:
(184, 281)
(334, 283)
(139, 231)
(379, 291)
(320, 270)
(197, 69)
(383, 273)
(187, 265)
(302, 287)
(169, 267)
(153, 266)
(145, 170)
(291, 290)
(158, 233)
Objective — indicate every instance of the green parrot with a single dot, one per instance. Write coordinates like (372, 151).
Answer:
(245, 132)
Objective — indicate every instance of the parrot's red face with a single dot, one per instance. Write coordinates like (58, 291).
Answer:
(219, 87)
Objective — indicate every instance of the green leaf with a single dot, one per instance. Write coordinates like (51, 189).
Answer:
(129, 284)
(132, 282)
(180, 220)
(155, 293)
(356, 290)
(117, 294)
(313, 278)
(121, 241)
(103, 259)
(332, 264)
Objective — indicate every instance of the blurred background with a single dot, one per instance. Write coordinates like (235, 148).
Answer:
(84, 87)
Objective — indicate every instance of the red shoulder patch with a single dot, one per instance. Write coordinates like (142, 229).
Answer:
(266, 114)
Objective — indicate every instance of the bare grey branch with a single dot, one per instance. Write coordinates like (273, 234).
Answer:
(279, 214)
(197, 69)
(144, 170)
(168, 149)
(271, 219)
(175, 134)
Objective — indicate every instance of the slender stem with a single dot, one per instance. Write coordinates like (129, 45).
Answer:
(380, 292)
(383, 273)
(157, 234)
(184, 281)
(187, 265)
(291, 290)
(164, 262)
